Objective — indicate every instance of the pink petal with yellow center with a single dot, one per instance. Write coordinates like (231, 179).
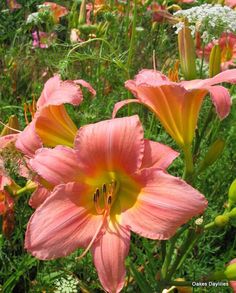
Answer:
(176, 108)
(163, 204)
(109, 253)
(157, 155)
(111, 145)
(51, 124)
(39, 196)
(58, 165)
(63, 223)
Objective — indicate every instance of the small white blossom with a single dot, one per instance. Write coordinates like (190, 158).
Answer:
(67, 284)
(209, 20)
(33, 18)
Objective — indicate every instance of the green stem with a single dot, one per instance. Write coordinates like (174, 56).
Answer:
(151, 125)
(132, 40)
(202, 61)
(189, 168)
(131, 45)
(170, 251)
(204, 128)
(209, 226)
(185, 248)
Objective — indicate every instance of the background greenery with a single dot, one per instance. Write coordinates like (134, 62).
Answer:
(106, 63)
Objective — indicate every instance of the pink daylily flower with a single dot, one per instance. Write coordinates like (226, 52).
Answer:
(51, 124)
(42, 39)
(227, 43)
(113, 182)
(177, 105)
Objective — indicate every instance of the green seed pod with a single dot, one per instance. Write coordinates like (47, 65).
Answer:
(232, 192)
(221, 220)
(230, 272)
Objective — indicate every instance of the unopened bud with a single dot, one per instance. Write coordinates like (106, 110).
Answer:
(213, 154)
(215, 61)
(82, 12)
(232, 192)
(230, 271)
(232, 213)
(221, 220)
(187, 53)
(10, 126)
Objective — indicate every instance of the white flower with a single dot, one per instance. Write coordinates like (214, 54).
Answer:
(209, 20)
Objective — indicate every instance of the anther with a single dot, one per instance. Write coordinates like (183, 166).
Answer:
(95, 197)
(104, 189)
(109, 200)
(97, 193)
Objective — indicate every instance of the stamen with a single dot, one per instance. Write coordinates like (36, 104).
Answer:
(109, 200)
(104, 189)
(95, 236)
(96, 196)
(25, 113)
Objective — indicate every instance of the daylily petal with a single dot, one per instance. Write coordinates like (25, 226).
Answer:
(176, 108)
(120, 104)
(86, 85)
(157, 155)
(163, 205)
(63, 223)
(28, 141)
(111, 145)
(148, 77)
(221, 100)
(39, 196)
(54, 126)
(58, 165)
(57, 92)
(6, 139)
(109, 253)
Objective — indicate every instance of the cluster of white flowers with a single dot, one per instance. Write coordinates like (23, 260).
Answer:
(209, 20)
(68, 284)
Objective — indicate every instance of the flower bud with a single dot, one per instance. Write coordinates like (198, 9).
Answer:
(232, 213)
(183, 289)
(232, 192)
(187, 53)
(82, 13)
(221, 220)
(215, 61)
(213, 154)
(230, 271)
(10, 126)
